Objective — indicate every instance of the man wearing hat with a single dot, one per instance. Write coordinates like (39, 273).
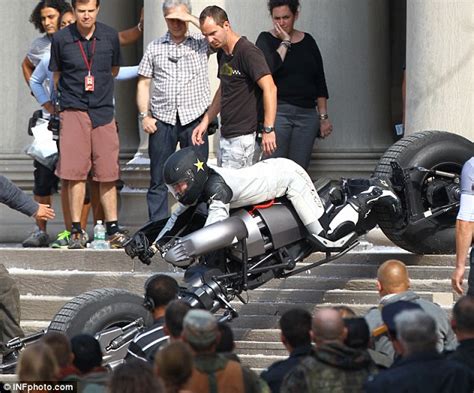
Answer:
(393, 285)
(212, 372)
(419, 367)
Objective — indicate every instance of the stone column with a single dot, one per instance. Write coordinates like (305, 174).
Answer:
(440, 66)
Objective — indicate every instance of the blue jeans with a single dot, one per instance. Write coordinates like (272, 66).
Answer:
(296, 129)
(160, 146)
(470, 280)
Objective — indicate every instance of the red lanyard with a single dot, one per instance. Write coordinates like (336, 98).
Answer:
(86, 61)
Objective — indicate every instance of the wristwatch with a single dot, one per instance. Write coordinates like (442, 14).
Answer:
(268, 129)
(142, 115)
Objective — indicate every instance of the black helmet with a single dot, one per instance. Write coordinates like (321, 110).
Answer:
(185, 175)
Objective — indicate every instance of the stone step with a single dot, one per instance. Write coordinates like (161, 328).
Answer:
(70, 283)
(49, 278)
(264, 309)
(117, 260)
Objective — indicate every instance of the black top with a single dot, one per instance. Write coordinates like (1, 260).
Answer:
(300, 78)
(241, 98)
(275, 374)
(424, 372)
(464, 354)
(66, 57)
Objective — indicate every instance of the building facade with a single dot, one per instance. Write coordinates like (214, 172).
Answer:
(365, 45)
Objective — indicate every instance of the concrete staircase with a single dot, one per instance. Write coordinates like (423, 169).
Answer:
(49, 278)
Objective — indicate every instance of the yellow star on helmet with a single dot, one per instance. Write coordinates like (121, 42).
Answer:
(199, 165)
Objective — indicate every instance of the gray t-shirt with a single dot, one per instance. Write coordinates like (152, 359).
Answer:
(39, 47)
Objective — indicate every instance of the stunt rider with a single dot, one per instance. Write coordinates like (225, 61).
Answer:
(191, 181)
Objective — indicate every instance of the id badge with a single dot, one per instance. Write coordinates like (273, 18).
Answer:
(89, 83)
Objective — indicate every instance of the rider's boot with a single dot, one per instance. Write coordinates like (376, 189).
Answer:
(338, 230)
(379, 192)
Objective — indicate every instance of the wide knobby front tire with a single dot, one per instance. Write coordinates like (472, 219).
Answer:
(97, 310)
(432, 150)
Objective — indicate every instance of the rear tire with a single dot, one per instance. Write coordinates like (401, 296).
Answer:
(97, 310)
(432, 150)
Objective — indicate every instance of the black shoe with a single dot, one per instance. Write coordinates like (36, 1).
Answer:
(78, 241)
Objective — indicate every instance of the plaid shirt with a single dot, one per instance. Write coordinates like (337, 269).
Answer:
(180, 78)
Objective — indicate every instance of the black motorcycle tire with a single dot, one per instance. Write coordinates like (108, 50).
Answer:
(97, 310)
(432, 150)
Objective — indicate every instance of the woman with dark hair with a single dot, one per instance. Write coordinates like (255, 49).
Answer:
(297, 68)
(45, 17)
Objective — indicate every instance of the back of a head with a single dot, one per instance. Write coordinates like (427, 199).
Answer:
(174, 365)
(358, 334)
(174, 317)
(61, 347)
(226, 343)
(200, 330)
(463, 315)
(393, 276)
(328, 326)
(87, 352)
(135, 376)
(295, 326)
(416, 331)
(160, 289)
(214, 12)
(37, 364)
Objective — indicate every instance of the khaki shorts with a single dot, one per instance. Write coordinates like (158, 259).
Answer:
(83, 148)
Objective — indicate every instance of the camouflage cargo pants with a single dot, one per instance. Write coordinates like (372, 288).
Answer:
(9, 308)
(238, 152)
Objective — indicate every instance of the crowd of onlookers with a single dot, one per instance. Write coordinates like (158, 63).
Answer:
(272, 101)
(407, 344)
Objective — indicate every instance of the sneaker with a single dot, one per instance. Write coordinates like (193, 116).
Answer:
(37, 238)
(118, 239)
(77, 241)
(139, 159)
(62, 241)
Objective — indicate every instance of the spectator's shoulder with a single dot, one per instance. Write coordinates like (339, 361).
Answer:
(309, 37)
(62, 34)
(274, 368)
(196, 36)
(105, 29)
(431, 308)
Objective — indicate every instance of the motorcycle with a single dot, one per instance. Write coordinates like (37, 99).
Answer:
(260, 243)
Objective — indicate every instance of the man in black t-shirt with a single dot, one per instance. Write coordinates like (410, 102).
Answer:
(244, 80)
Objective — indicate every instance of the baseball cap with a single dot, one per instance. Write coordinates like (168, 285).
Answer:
(200, 328)
(391, 310)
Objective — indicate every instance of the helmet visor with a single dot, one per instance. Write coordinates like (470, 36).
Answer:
(181, 187)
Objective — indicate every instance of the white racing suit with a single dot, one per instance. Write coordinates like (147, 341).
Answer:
(264, 181)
